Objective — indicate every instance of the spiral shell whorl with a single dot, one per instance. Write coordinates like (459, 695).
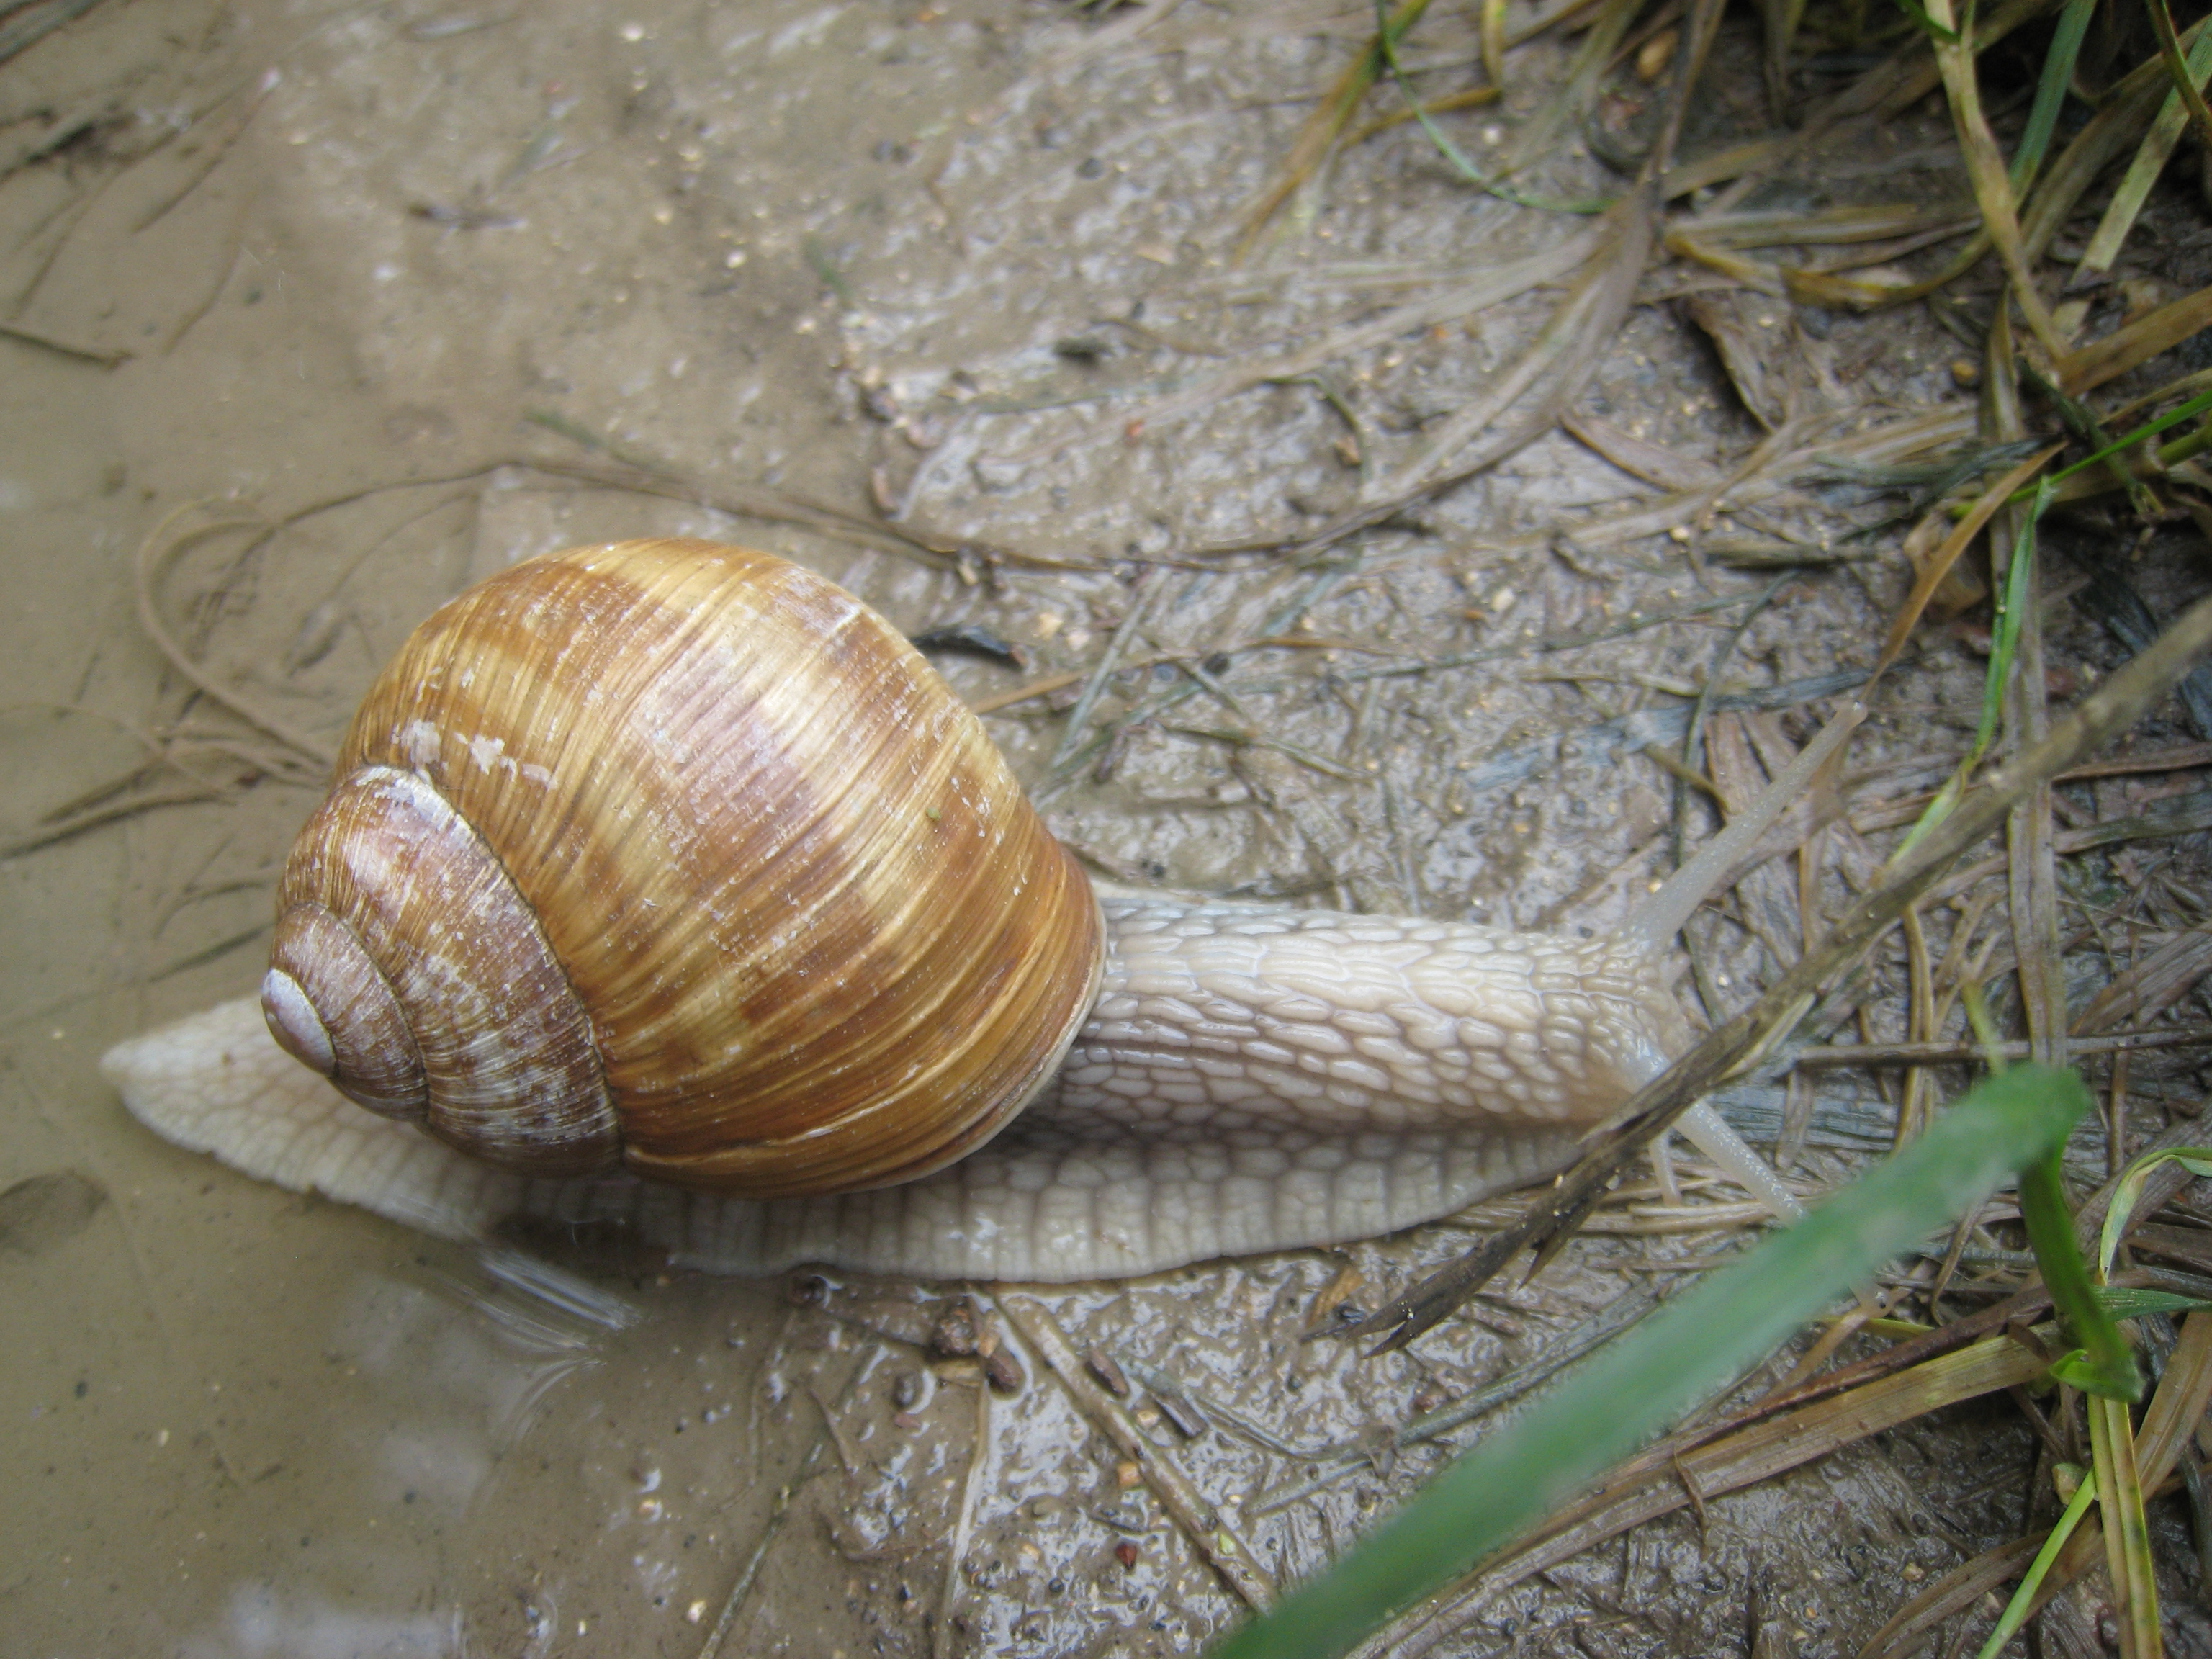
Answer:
(432, 983)
(778, 868)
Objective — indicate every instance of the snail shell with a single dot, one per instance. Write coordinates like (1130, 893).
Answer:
(675, 858)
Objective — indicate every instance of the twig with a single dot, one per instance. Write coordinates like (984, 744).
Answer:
(1965, 1054)
(1209, 1530)
(1341, 1461)
(2125, 698)
(963, 1523)
(63, 348)
(155, 554)
(1125, 634)
(734, 1602)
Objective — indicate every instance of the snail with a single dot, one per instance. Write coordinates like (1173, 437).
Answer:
(664, 882)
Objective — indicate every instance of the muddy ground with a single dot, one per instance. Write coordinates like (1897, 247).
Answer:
(389, 274)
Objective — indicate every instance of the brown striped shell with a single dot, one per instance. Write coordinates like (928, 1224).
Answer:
(676, 856)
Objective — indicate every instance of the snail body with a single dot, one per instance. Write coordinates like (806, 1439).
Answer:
(871, 1017)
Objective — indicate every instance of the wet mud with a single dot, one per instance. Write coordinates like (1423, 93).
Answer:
(320, 313)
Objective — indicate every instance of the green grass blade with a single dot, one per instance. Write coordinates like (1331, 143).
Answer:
(2050, 91)
(2184, 83)
(2150, 159)
(1386, 43)
(2105, 1365)
(2023, 1599)
(2125, 1303)
(2121, 1213)
(1648, 1378)
(2195, 406)
(2012, 613)
(1918, 14)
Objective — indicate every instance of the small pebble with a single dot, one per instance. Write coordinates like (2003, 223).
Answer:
(1003, 1372)
(1658, 51)
(1109, 1375)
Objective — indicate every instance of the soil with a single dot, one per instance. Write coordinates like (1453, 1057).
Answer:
(379, 278)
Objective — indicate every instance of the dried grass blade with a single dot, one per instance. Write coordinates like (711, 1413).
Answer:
(2130, 692)
(2060, 1554)
(1758, 156)
(1472, 98)
(1492, 287)
(2135, 186)
(1985, 167)
(2175, 1410)
(1710, 1333)
(2185, 80)
(2126, 111)
(1109, 665)
(1835, 225)
(1564, 355)
(1779, 19)
(31, 24)
(1650, 1487)
(1322, 128)
(2179, 1406)
(1914, 1622)
(2127, 1533)
(2138, 343)
(2017, 681)
(1209, 1531)
(1813, 287)
(1783, 1441)
(1940, 562)
(1639, 457)
(1386, 44)
(1492, 24)
(1703, 28)
(1686, 243)
(2061, 1551)
(1776, 478)
(154, 555)
(1883, 92)
(1579, 85)
(2151, 986)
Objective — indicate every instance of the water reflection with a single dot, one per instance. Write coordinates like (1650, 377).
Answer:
(462, 1357)
(261, 1620)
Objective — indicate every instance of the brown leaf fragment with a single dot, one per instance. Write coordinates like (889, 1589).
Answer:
(1779, 371)
(1655, 464)
(2104, 360)
(2191, 1246)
